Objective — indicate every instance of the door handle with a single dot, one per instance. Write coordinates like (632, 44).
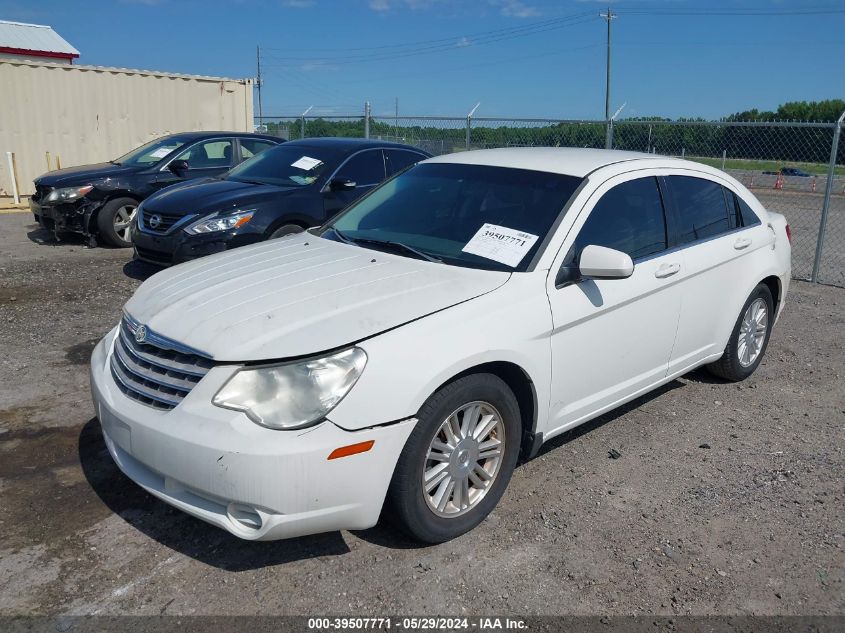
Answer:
(741, 243)
(667, 270)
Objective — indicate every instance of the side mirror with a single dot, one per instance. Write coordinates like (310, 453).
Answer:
(178, 166)
(342, 184)
(599, 262)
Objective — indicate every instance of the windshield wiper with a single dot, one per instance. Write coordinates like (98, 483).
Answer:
(363, 240)
(114, 162)
(394, 245)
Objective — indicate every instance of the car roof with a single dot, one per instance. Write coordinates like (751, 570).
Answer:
(212, 133)
(570, 161)
(343, 143)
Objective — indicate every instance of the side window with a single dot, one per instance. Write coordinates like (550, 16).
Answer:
(398, 159)
(366, 168)
(749, 218)
(628, 218)
(734, 218)
(250, 147)
(208, 154)
(700, 208)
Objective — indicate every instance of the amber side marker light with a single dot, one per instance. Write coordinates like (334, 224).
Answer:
(352, 449)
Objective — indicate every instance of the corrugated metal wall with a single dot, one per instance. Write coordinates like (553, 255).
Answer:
(90, 114)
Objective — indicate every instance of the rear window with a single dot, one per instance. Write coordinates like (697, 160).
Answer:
(700, 208)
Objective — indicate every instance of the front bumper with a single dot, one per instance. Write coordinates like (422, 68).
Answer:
(257, 483)
(177, 247)
(73, 217)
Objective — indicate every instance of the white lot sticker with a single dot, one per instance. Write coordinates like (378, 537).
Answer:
(307, 163)
(500, 244)
(161, 152)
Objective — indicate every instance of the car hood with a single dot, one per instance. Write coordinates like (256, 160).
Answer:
(210, 194)
(297, 296)
(84, 174)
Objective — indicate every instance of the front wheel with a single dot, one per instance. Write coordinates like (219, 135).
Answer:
(286, 229)
(458, 460)
(115, 219)
(749, 338)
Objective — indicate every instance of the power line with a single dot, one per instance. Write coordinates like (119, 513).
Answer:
(451, 46)
(727, 11)
(453, 39)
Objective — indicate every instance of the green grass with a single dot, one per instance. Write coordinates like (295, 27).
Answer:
(767, 165)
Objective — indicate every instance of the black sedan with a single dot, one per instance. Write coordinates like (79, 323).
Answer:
(285, 190)
(100, 200)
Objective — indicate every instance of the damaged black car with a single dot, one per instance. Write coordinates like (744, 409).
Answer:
(99, 201)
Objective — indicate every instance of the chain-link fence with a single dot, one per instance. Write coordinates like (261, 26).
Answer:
(797, 169)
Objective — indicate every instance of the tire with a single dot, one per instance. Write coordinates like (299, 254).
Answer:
(286, 229)
(409, 504)
(739, 360)
(114, 219)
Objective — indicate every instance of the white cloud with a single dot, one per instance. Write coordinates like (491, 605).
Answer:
(516, 9)
(298, 4)
(383, 6)
(463, 42)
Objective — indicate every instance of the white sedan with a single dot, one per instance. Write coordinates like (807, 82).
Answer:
(406, 354)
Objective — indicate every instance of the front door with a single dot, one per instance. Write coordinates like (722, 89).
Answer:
(205, 159)
(612, 338)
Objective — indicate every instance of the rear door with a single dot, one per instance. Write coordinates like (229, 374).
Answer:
(250, 147)
(612, 338)
(398, 159)
(718, 240)
(365, 169)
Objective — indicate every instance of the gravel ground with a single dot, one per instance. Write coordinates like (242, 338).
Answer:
(725, 499)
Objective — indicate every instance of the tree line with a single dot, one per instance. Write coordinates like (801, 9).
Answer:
(664, 136)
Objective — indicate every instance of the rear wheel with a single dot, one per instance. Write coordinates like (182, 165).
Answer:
(749, 339)
(114, 221)
(458, 460)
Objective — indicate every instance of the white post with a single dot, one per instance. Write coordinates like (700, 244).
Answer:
(10, 158)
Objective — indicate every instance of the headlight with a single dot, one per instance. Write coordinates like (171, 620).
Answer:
(67, 194)
(219, 222)
(293, 395)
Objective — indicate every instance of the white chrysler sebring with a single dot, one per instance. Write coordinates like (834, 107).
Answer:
(405, 355)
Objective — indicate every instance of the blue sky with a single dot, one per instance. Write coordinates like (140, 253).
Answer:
(519, 58)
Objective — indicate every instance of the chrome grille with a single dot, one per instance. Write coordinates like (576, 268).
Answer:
(164, 223)
(157, 372)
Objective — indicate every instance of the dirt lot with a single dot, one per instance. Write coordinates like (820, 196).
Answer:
(727, 499)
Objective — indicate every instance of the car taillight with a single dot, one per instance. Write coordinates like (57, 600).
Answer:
(789, 234)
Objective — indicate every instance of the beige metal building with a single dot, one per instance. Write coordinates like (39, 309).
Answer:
(72, 115)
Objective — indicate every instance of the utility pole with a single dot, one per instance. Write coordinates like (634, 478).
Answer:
(609, 16)
(396, 122)
(258, 79)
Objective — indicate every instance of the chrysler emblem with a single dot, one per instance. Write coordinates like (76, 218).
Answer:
(155, 220)
(141, 334)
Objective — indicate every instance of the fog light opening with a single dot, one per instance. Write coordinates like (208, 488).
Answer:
(244, 517)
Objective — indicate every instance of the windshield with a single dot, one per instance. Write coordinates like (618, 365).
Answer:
(152, 152)
(466, 215)
(284, 166)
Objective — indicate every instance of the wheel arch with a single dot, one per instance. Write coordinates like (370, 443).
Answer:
(522, 386)
(773, 283)
(112, 195)
(301, 220)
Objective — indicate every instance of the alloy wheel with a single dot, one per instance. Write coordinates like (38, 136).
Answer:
(752, 332)
(123, 220)
(463, 459)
